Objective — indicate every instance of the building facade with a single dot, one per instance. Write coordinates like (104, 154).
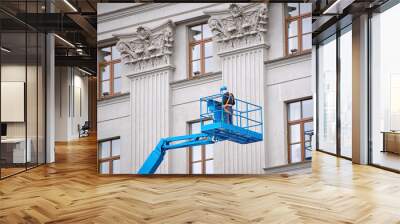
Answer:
(155, 61)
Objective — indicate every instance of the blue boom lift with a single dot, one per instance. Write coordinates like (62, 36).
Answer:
(244, 126)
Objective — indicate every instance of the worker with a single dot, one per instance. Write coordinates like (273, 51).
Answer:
(228, 100)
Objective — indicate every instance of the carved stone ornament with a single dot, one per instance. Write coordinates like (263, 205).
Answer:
(147, 49)
(238, 26)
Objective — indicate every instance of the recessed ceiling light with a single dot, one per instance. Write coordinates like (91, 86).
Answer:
(70, 5)
(64, 40)
(5, 50)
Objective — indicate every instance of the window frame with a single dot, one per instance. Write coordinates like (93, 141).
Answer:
(111, 63)
(202, 42)
(299, 18)
(109, 159)
(302, 121)
(203, 160)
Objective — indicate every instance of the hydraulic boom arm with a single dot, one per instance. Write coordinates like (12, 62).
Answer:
(156, 157)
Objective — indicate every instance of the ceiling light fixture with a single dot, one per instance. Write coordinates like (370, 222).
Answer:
(84, 71)
(337, 7)
(64, 40)
(5, 50)
(70, 5)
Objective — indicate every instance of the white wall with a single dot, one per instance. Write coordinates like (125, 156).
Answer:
(287, 80)
(113, 119)
(70, 83)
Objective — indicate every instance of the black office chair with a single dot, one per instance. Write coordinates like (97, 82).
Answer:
(84, 130)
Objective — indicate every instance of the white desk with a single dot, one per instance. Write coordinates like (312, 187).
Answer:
(19, 149)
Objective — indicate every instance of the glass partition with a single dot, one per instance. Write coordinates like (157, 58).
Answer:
(22, 88)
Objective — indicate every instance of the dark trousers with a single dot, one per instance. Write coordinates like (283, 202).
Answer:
(228, 115)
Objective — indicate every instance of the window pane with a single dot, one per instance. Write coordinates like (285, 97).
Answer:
(105, 88)
(292, 45)
(105, 72)
(195, 33)
(117, 70)
(117, 85)
(306, 25)
(293, 9)
(208, 65)
(208, 49)
(105, 167)
(294, 111)
(196, 52)
(295, 153)
(116, 166)
(308, 108)
(105, 54)
(210, 166)
(104, 150)
(294, 133)
(195, 128)
(307, 42)
(196, 168)
(209, 151)
(116, 147)
(292, 29)
(308, 126)
(196, 153)
(206, 31)
(196, 68)
(305, 8)
(115, 53)
(327, 96)
(346, 94)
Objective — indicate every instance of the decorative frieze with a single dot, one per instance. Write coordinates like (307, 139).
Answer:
(239, 27)
(147, 48)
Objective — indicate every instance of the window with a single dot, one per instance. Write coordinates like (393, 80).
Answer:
(109, 156)
(201, 50)
(298, 28)
(201, 158)
(327, 95)
(109, 72)
(300, 130)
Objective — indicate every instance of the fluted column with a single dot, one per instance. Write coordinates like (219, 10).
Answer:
(146, 57)
(239, 34)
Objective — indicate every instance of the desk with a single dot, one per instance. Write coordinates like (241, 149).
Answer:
(13, 150)
(391, 142)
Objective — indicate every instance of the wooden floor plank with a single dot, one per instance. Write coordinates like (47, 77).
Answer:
(70, 191)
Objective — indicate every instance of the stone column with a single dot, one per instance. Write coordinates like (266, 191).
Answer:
(146, 57)
(239, 34)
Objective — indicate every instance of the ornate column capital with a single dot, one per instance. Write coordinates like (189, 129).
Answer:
(147, 49)
(239, 26)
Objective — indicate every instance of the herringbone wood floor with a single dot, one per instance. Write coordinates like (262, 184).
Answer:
(70, 191)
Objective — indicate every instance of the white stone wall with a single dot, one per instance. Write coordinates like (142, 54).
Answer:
(250, 73)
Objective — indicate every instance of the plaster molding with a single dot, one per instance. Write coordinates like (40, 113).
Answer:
(285, 61)
(239, 26)
(181, 84)
(150, 71)
(124, 97)
(147, 49)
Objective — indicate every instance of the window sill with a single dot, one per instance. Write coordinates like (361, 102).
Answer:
(104, 98)
(290, 56)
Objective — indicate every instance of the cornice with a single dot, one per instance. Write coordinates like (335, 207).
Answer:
(129, 11)
(150, 71)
